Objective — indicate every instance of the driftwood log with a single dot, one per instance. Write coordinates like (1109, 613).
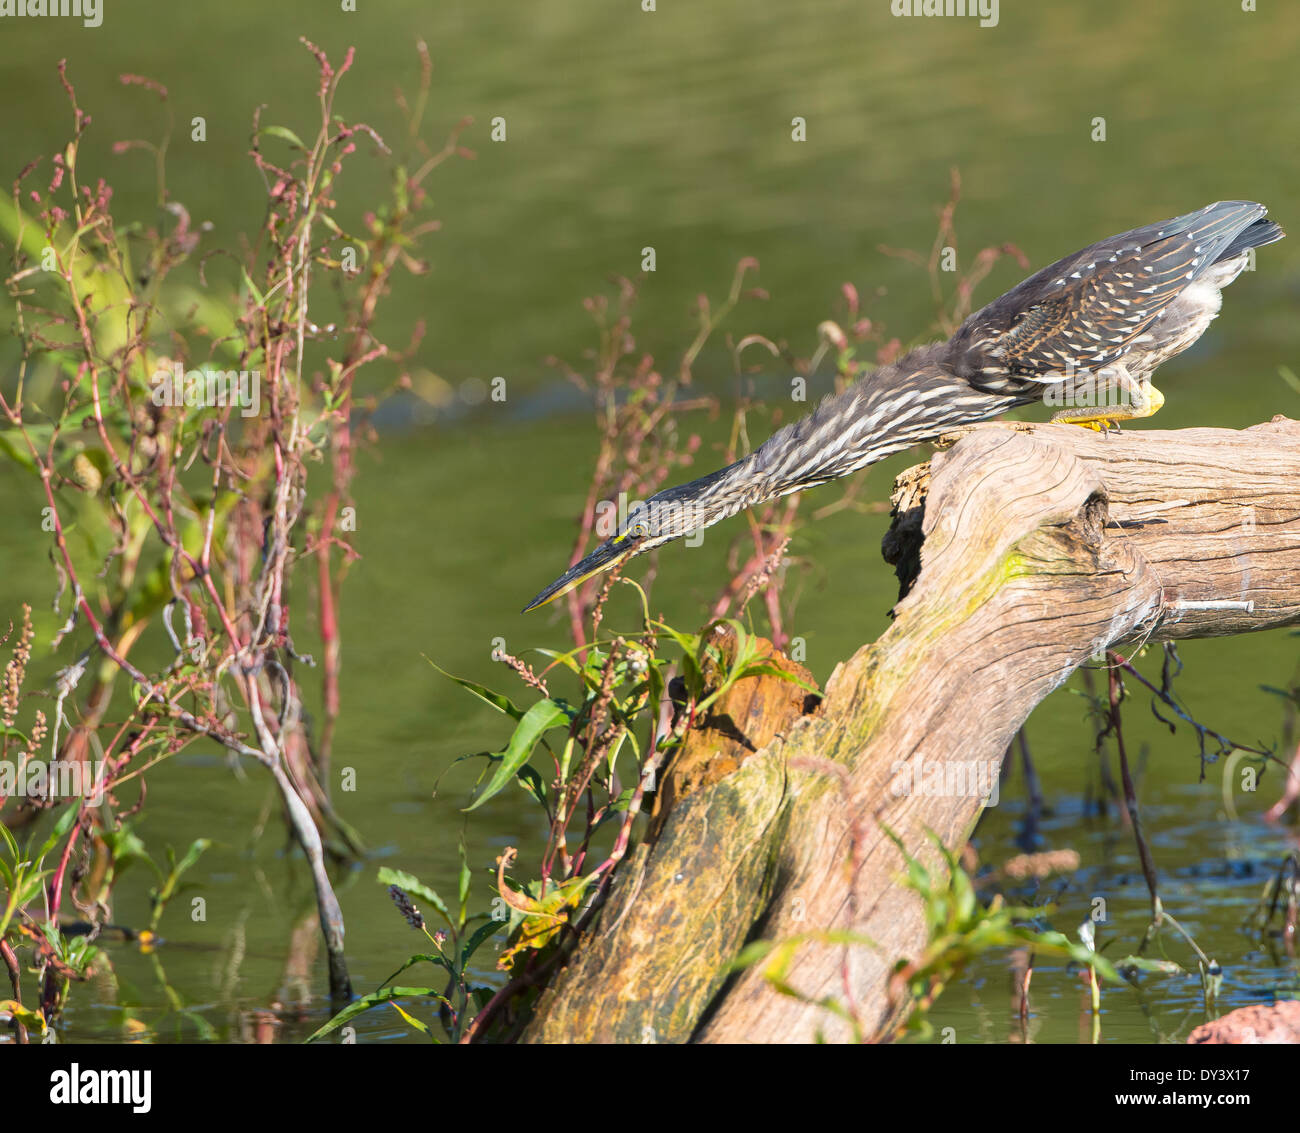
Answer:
(1024, 551)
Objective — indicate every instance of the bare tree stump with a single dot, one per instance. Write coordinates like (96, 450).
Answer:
(1040, 546)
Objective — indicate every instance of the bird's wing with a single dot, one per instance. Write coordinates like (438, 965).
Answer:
(1084, 311)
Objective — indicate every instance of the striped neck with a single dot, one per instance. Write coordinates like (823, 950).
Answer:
(895, 407)
(914, 399)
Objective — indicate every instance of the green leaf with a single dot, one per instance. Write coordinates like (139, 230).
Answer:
(540, 718)
(410, 1018)
(424, 958)
(126, 848)
(171, 884)
(498, 701)
(33, 1020)
(366, 1002)
(29, 887)
(252, 287)
(12, 445)
(10, 843)
(766, 668)
(13, 220)
(464, 880)
(691, 673)
(565, 659)
(192, 855)
(283, 133)
(483, 933)
(531, 780)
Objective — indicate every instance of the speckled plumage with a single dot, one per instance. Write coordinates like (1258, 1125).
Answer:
(1135, 299)
(1112, 312)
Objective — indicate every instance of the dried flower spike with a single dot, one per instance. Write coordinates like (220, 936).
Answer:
(406, 907)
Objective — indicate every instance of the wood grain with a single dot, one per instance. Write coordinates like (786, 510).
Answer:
(1039, 546)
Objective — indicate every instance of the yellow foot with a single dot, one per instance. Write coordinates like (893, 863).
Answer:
(1100, 424)
(1146, 402)
(1080, 417)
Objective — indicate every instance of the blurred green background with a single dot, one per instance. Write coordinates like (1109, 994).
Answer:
(672, 129)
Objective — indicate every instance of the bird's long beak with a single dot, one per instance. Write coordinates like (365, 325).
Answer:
(607, 555)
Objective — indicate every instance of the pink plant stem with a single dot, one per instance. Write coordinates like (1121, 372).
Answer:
(56, 883)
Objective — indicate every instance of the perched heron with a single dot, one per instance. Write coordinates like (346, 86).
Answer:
(1101, 319)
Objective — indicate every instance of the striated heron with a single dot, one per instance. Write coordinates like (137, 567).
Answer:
(1102, 318)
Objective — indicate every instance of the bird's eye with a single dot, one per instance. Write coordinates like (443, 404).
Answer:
(639, 530)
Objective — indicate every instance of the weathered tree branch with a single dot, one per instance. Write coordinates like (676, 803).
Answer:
(1040, 546)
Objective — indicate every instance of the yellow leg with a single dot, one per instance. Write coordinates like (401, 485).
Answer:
(1142, 400)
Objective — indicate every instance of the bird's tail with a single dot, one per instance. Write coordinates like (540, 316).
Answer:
(1256, 235)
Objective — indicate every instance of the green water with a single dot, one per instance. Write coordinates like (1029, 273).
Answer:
(672, 130)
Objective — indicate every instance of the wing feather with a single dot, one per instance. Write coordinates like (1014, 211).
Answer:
(1085, 311)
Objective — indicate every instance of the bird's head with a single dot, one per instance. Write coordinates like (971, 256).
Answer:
(668, 515)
